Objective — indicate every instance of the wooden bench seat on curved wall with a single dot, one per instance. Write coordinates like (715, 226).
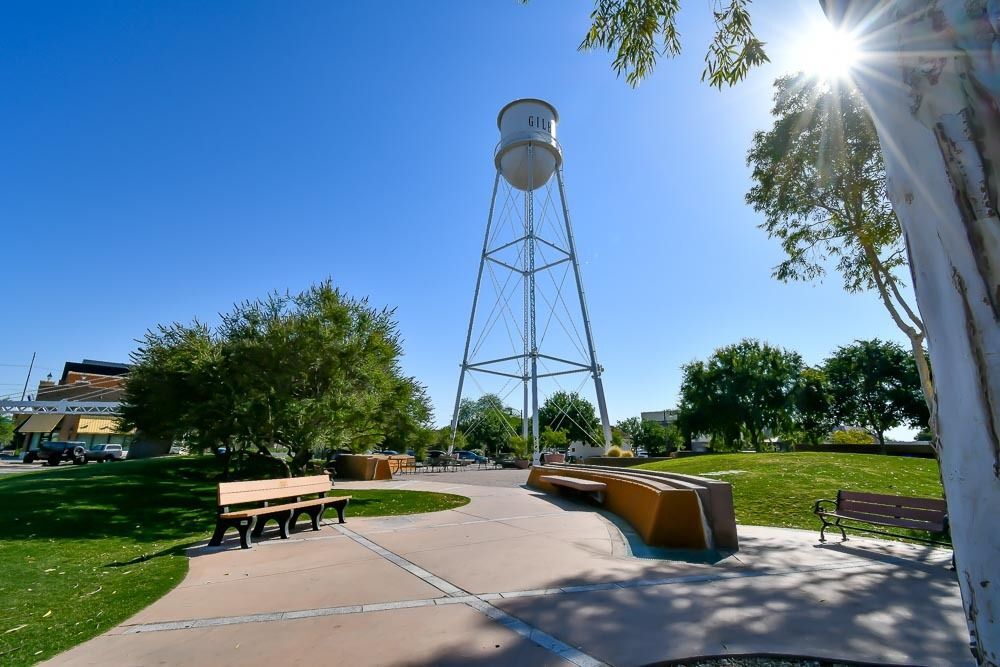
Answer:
(662, 514)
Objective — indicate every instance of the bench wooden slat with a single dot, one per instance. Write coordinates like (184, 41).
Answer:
(902, 512)
(329, 500)
(895, 501)
(237, 493)
(888, 521)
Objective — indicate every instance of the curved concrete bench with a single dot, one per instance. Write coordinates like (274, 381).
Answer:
(665, 514)
(716, 500)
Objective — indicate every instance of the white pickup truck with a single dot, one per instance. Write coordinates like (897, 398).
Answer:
(102, 453)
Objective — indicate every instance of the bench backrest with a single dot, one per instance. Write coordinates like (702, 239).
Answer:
(237, 493)
(906, 512)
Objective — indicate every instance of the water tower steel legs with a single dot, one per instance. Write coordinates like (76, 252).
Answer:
(529, 357)
(472, 316)
(530, 236)
(602, 405)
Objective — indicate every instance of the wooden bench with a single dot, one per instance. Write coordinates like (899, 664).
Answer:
(877, 509)
(250, 522)
(595, 489)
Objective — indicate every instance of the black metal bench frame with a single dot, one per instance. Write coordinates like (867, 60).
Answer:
(824, 514)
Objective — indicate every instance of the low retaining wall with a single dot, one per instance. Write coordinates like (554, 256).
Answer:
(361, 467)
(716, 498)
(666, 509)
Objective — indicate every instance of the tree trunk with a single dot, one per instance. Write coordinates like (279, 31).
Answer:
(932, 81)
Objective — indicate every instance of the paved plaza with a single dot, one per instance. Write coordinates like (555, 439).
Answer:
(519, 578)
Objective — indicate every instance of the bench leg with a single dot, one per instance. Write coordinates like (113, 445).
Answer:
(827, 524)
(315, 515)
(245, 526)
(219, 534)
(340, 507)
(283, 519)
(242, 525)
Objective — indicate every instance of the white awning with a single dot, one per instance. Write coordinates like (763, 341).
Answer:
(40, 424)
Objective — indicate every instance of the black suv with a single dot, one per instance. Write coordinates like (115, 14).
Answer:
(57, 451)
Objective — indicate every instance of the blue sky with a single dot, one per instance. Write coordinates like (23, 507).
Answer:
(164, 160)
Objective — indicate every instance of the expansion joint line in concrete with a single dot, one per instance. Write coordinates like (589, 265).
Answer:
(481, 602)
(529, 632)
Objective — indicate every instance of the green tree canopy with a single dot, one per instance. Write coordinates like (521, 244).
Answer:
(571, 413)
(742, 392)
(812, 404)
(6, 430)
(487, 424)
(819, 180)
(553, 439)
(308, 372)
(874, 384)
(639, 32)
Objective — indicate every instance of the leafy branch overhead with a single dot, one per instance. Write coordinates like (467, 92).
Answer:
(639, 32)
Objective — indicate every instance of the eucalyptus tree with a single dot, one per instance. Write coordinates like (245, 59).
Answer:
(930, 78)
(819, 179)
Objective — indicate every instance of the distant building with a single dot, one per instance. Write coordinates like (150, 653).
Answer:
(699, 443)
(87, 380)
(661, 417)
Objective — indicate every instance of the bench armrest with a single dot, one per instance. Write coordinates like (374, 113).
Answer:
(818, 505)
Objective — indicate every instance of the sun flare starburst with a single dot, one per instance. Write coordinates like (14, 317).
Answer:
(827, 53)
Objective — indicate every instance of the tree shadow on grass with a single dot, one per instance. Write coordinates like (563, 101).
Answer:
(151, 500)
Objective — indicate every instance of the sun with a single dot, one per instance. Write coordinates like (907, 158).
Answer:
(827, 53)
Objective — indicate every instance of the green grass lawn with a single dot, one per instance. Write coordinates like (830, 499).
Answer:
(780, 489)
(84, 548)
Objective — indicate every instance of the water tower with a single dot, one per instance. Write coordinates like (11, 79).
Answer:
(529, 259)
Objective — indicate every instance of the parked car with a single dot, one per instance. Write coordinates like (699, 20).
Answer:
(466, 458)
(103, 453)
(57, 451)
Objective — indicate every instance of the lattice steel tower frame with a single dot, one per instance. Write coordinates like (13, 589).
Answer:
(528, 159)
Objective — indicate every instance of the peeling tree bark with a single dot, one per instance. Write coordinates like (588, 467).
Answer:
(932, 83)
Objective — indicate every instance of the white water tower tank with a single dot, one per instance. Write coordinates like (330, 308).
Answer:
(528, 152)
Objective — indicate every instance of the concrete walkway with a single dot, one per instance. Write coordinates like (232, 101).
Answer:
(520, 578)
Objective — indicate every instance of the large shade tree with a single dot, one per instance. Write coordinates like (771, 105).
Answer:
(743, 392)
(487, 424)
(569, 412)
(307, 372)
(874, 384)
(931, 81)
(813, 415)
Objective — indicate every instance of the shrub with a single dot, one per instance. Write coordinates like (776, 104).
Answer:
(614, 451)
(852, 436)
(627, 454)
